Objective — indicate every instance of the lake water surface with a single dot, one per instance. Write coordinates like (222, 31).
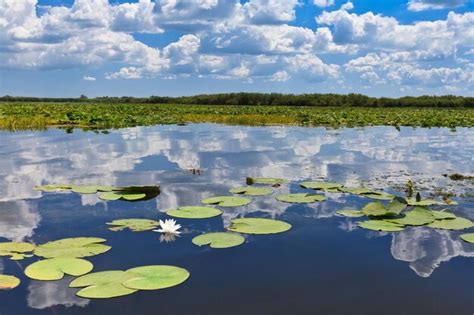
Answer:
(324, 265)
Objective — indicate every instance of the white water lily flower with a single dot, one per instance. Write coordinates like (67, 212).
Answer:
(169, 227)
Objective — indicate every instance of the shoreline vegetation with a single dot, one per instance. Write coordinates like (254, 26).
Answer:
(250, 109)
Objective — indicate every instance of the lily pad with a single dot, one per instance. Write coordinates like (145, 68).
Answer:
(380, 225)
(155, 277)
(84, 189)
(227, 201)
(351, 213)
(425, 202)
(219, 240)
(374, 209)
(468, 237)
(252, 191)
(72, 247)
(103, 285)
(265, 180)
(320, 185)
(194, 212)
(396, 206)
(301, 198)
(378, 195)
(8, 282)
(55, 268)
(135, 225)
(452, 224)
(16, 250)
(440, 215)
(109, 196)
(52, 188)
(417, 216)
(258, 226)
(354, 190)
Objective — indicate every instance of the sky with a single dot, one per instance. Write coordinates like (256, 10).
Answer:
(66, 48)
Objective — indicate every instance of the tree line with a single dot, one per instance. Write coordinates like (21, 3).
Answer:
(274, 99)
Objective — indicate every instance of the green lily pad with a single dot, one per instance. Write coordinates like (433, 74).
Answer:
(155, 277)
(258, 226)
(440, 215)
(55, 268)
(354, 190)
(396, 206)
(52, 188)
(194, 212)
(374, 209)
(16, 250)
(301, 198)
(351, 213)
(110, 196)
(135, 225)
(426, 202)
(378, 195)
(84, 189)
(380, 225)
(468, 237)
(103, 285)
(137, 189)
(72, 247)
(219, 240)
(417, 216)
(452, 224)
(265, 180)
(8, 282)
(320, 185)
(252, 191)
(227, 201)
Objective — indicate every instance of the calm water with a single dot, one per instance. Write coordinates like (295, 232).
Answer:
(324, 265)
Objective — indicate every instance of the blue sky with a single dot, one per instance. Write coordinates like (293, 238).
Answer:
(66, 48)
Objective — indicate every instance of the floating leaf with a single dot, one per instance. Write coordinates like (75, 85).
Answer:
(110, 196)
(440, 215)
(378, 195)
(84, 189)
(55, 268)
(72, 247)
(124, 196)
(265, 180)
(417, 216)
(227, 201)
(219, 240)
(396, 206)
(351, 213)
(135, 225)
(194, 212)
(426, 202)
(452, 224)
(301, 198)
(16, 250)
(251, 191)
(354, 190)
(380, 225)
(374, 209)
(52, 188)
(155, 277)
(103, 285)
(468, 237)
(258, 226)
(8, 282)
(320, 185)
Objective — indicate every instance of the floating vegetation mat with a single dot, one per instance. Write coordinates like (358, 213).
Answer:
(389, 213)
(107, 193)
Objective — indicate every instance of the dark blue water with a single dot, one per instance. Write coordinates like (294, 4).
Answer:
(323, 265)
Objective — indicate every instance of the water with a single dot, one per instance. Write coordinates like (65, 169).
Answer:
(324, 265)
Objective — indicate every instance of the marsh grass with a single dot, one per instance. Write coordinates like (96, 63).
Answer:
(37, 116)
